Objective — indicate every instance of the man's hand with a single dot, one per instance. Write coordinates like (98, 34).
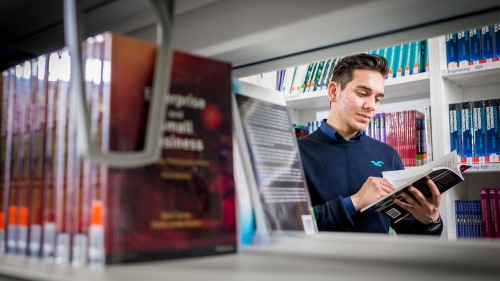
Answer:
(373, 189)
(423, 209)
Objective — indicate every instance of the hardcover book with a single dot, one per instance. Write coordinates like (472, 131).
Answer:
(445, 172)
(184, 205)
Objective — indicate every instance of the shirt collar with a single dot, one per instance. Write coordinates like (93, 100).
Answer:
(334, 135)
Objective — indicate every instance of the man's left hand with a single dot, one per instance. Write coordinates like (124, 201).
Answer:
(425, 210)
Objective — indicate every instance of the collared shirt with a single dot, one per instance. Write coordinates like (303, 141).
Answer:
(333, 134)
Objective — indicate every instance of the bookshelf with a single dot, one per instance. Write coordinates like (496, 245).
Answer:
(266, 44)
(436, 88)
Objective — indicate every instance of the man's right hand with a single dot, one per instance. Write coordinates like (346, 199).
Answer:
(373, 189)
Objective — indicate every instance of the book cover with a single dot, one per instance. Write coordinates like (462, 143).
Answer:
(485, 212)
(445, 172)
(279, 191)
(184, 205)
(475, 45)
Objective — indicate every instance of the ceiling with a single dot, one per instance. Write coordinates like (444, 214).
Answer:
(255, 36)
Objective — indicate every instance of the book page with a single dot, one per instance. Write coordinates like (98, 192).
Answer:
(402, 178)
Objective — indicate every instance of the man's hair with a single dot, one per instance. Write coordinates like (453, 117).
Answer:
(343, 70)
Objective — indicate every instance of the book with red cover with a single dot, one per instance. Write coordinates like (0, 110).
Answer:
(184, 205)
(494, 212)
(485, 212)
(37, 151)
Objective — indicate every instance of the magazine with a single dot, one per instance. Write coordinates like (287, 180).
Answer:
(446, 172)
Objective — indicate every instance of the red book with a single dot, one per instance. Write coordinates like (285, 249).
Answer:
(494, 213)
(485, 212)
(37, 151)
(50, 161)
(184, 205)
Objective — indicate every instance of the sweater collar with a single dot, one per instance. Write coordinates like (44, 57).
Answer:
(334, 135)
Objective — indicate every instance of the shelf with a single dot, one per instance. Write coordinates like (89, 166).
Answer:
(484, 168)
(325, 256)
(474, 75)
(397, 89)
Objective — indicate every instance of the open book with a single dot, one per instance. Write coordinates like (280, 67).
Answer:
(446, 172)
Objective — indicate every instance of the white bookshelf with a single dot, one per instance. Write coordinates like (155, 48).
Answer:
(260, 36)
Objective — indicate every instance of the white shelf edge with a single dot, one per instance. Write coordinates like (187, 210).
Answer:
(474, 75)
(484, 168)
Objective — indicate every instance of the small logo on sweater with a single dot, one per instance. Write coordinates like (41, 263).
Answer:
(378, 163)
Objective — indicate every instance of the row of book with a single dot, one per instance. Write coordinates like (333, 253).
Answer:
(406, 131)
(474, 130)
(62, 208)
(403, 60)
(473, 46)
(479, 218)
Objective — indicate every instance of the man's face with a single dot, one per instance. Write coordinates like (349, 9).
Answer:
(355, 105)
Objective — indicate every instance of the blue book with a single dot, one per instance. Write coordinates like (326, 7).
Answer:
(496, 114)
(475, 45)
(451, 50)
(487, 43)
(454, 113)
(467, 135)
(463, 48)
(491, 136)
(496, 42)
(479, 130)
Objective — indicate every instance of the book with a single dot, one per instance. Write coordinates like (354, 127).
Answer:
(446, 172)
(451, 50)
(485, 212)
(184, 205)
(475, 45)
(271, 160)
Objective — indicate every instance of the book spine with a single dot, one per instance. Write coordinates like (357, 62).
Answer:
(317, 76)
(467, 132)
(490, 137)
(496, 43)
(494, 213)
(38, 152)
(62, 251)
(496, 115)
(401, 60)
(486, 44)
(407, 57)
(8, 98)
(50, 163)
(475, 45)
(451, 50)
(463, 48)
(485, 212)
(479, 132)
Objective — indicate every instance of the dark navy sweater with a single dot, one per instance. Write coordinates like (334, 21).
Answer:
(336, 169)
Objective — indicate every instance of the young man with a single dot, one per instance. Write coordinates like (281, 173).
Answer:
(338, 158)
